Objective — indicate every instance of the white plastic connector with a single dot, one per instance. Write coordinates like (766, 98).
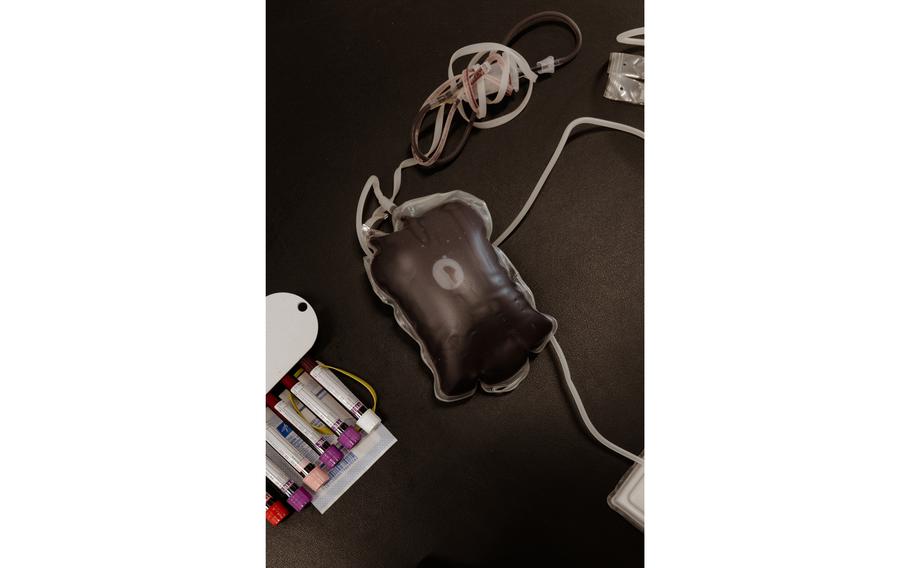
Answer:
(547, 65)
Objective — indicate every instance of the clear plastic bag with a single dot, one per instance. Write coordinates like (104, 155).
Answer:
(626, 78)
(457, 295)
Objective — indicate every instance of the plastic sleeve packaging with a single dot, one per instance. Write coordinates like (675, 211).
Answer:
(628, 497)
(626, 78)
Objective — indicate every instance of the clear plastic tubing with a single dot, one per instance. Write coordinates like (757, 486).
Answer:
(297, 497)
(367, 420)
(347, 435)
(313, 477)
(329, 455)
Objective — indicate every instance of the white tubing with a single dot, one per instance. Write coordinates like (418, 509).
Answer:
(511, 67)
(563, 363)
(385, 203)
(567, 375)
(546, 172)
(628, 37)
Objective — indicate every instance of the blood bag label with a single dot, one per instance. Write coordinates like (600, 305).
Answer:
(448, 273)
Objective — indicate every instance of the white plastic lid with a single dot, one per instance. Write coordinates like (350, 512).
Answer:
(368, 421)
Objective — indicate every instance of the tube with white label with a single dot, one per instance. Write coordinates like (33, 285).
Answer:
(367, 420)
(297, 497)
(313, 477)
(329, 455)
(347, 435)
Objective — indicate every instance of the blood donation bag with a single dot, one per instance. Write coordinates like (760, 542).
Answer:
(458, 296)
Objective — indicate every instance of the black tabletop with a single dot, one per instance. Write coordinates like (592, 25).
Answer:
(494, 480)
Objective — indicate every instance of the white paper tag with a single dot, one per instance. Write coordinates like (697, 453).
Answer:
(290, 331)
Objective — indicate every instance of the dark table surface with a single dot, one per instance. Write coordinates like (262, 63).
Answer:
(495, 480)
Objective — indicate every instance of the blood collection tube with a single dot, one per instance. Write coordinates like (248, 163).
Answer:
(347, 435)
(297, 497)
(367, 420)
(313, 477)
(329, 455)
(275, 511)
